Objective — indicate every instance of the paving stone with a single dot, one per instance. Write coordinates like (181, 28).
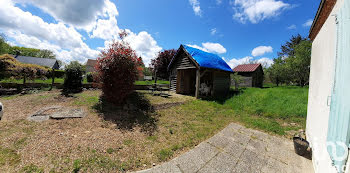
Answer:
(250, 162)
(238, 149)
(223, 162)
(193, 160)
(257, 146)
(170, 167)
(234, 149)
(242, 138)
(274, 165)
(228, 132)
(220, 141)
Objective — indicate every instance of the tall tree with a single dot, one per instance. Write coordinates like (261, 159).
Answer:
(161, 63)
(299, 64)
(288, 49)
(4, 47)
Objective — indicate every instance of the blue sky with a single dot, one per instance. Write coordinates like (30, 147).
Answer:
(237, 30)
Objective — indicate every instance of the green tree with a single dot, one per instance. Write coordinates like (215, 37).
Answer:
(288, 49)
(299, 64)
(237, 79)
(4, 47)
(278, 71)
(73, 77)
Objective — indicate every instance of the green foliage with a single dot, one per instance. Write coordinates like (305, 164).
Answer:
(151, 82)
(8, 66)
(73, 77)
(90, 77)
(164, 154)
(293, 65)
(4, 47)
(147, 71)
(237, 79)
(24, 51)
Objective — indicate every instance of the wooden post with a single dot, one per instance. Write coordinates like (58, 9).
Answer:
(198, 78)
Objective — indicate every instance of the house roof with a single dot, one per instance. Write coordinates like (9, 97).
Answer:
(324, 10)
(247, 68)
(52, 63)
(207, 60)
(91, 62)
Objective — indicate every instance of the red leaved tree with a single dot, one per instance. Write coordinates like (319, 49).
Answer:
(117, 70)
(161, 63)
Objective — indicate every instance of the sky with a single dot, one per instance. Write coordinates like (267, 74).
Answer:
(236, 30)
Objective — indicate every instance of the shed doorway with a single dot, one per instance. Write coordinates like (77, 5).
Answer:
(186, 81)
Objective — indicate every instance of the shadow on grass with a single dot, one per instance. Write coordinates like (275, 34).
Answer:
(222, 99)
(136, 112)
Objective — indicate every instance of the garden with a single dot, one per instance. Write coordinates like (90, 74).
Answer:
(125, 129)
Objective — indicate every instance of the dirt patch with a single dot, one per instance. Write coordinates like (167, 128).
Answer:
(108, 141)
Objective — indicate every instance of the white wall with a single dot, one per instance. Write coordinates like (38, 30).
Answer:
(321, 83)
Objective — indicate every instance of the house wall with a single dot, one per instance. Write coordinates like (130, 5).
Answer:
(221, 83)
(320, 89)
(90, 68)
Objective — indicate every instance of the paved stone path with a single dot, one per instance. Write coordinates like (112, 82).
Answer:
(239, 149)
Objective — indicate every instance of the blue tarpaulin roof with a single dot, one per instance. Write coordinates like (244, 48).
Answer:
(208, 60)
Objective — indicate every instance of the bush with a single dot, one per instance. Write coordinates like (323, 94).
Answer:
(90, 77)
(73, 78)
(8, 66)
(117, 72)
(58, 74)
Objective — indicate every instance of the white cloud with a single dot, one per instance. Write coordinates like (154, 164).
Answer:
(266, 62)
(105, 29)
(292, 27)
(211, 47)
(79, 13)
(218, 2)
(235, 62)
(308, 23)
(257, 10)
(261, 50)
(144, 45)
(63, 37)
(213, 31)
(196, 7)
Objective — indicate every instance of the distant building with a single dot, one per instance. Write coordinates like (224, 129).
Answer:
(51, 63)
(252, 75)
(195, 72)
(90, 65)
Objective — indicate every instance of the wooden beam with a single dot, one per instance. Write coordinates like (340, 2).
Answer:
(198, 78)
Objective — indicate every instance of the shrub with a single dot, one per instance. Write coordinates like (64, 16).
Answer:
(90, 77)
(117, 71)
(58, 74)
(8, 66)
(73, 77)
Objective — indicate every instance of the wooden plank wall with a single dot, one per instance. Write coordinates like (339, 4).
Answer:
(181, 62)
(221, 83)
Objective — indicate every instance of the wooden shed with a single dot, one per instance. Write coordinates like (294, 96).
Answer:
(195, 72)
(252, 75)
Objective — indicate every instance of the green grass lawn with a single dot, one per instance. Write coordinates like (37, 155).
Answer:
(151, 82)
(276, 110)
(47, 81)
(61, 80)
